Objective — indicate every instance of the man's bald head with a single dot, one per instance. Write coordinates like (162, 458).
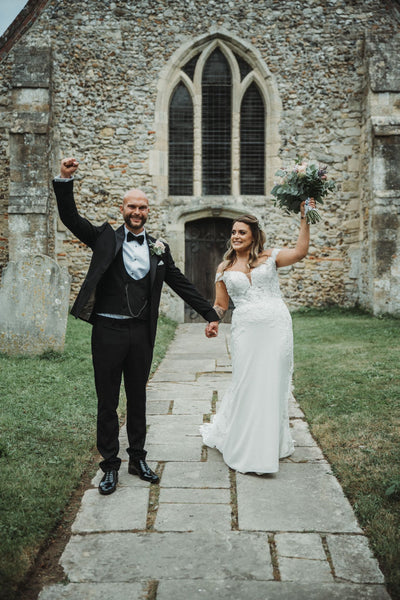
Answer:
(135, 193)
(135, 210)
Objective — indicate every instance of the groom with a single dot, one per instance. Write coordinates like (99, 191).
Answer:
(120, 297)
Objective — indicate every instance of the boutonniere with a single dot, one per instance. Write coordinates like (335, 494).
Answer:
(157, 247)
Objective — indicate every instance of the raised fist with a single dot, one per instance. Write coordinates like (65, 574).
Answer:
(68, 167)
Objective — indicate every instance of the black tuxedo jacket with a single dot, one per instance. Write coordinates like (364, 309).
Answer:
(105, 243)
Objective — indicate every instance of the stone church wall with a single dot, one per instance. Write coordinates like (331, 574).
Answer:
(107, 62)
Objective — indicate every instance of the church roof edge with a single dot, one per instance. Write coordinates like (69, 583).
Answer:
(25, 18)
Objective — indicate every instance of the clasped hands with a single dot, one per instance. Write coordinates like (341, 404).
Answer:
(212, 329)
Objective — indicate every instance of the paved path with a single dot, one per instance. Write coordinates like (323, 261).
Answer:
(208, 533)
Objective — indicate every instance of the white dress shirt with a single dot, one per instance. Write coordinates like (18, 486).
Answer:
(136, 261)
(136, 256)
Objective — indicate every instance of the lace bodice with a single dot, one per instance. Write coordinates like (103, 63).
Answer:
(255, 288)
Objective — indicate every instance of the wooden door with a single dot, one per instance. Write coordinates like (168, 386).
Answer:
(205, 245)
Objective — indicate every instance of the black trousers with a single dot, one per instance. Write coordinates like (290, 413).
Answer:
(120, 347)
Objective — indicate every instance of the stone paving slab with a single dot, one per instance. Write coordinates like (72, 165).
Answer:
(305, 570)
(198, 353)
(196, 475)
(266, 590)
(305, 454)
(172, 429)
(184, 364)
(193, 517)
(300, 545)
(169, 376)
(187, 424)
(157, 407)
(184, 342)
(295, 411)
(187, 406)
(224, 362)
(303, 497)
(214, 456)
(126, 557)
(301, 433)
(212, 379)
(195, 496)
(188, 451)
(166, 433)
(173, 390)
(124, 511)
(353, 559)
(94, 591)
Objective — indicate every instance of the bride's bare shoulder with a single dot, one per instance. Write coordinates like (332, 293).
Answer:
(265, 253)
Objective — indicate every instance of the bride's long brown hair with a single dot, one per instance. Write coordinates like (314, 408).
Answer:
(256, 247)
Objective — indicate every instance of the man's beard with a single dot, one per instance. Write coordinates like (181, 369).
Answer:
(130, 225)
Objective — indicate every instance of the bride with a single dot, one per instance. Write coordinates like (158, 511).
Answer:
(251, 427)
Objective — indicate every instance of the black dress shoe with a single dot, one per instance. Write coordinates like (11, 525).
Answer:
(141, 468)
(108, 484)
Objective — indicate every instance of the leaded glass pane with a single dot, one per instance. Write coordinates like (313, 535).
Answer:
(216, 125)
(252, 142)
(244, 66)
(180, 162)
(190, 66)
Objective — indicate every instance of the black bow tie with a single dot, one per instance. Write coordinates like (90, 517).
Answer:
(137, 238)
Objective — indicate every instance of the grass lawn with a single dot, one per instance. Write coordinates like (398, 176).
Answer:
(347, 380)
(47, 440)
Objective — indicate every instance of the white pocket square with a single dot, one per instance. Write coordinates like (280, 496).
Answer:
(160, 263)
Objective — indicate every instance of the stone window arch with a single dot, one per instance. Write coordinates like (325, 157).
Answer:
(223, 140)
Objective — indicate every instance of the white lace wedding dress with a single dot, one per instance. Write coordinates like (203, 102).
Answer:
(251, 427)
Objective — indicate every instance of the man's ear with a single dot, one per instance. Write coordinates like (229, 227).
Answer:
(121, 208)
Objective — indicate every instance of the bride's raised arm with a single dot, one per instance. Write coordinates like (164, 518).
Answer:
(289, 256)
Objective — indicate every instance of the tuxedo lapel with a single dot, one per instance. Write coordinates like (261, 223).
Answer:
(153, 262)
(119, 239)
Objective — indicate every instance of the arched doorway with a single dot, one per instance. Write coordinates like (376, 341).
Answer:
(205, 244)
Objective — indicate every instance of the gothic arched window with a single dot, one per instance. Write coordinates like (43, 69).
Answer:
(216, 127)
(180, 158)
(252, 142)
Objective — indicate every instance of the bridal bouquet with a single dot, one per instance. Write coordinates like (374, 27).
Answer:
(304, 181)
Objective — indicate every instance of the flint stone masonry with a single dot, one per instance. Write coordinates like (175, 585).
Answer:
(330, 75)
(34, 296)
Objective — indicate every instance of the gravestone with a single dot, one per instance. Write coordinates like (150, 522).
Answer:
(34, 298)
